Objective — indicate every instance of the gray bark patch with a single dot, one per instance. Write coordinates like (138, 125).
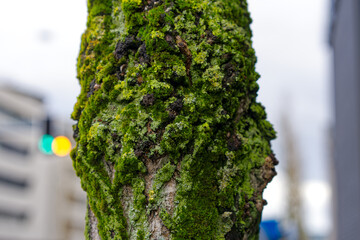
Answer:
(109, 167)
(126, 200)
(93, 222)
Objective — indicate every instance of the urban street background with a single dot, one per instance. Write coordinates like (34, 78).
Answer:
(39, 43)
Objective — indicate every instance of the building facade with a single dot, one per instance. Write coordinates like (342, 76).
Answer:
(345, 41)
(40, 196)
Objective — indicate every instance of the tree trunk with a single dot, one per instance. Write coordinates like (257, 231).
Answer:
(171, 143)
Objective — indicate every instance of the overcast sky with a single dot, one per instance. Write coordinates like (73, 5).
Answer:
(39, 43)
(294, 59)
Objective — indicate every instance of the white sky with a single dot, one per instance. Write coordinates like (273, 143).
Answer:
(39, 43)
(48, 67)
(290, 40)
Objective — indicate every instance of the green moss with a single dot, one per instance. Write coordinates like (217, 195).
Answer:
(163, 176)
(180, 88)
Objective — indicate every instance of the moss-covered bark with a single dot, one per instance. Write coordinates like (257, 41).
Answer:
(171, 143)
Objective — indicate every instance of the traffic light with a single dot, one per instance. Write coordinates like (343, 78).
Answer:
(60, 145)
(45, 144)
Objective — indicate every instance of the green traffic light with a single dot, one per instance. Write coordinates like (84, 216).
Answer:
(45, 144)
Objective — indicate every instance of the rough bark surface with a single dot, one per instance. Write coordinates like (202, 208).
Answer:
(92, 229)
(171, 143)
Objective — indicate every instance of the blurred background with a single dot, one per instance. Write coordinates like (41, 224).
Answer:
(308, 52)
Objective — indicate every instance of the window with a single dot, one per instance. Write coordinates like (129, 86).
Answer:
(13, 215)
(16, 118)
(13, 183)
(16, 149)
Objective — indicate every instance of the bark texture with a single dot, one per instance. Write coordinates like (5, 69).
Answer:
(171, 143)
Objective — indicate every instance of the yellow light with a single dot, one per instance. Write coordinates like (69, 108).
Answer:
(61, 146)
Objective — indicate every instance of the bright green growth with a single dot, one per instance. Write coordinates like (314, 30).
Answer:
(168, 103)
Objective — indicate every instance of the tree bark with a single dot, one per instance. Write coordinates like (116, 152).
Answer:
(171, 143)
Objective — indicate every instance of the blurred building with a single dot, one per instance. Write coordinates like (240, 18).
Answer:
(345, 41)
(40, 196)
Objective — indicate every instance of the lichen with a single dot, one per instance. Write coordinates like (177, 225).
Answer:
(168, 94)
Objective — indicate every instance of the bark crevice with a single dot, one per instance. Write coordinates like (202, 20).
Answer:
(93, 232)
